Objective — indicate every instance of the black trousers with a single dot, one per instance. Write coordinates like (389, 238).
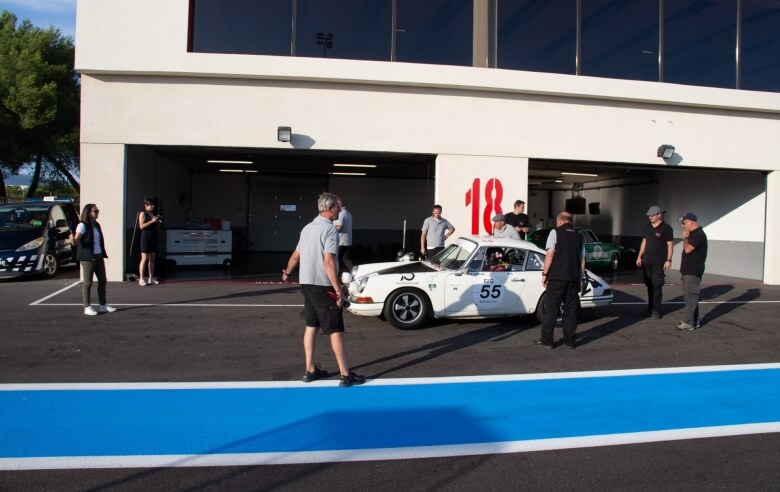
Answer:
(654, 277)
(346, 258)
(566, 292)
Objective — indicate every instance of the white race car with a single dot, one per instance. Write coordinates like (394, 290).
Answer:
(474, 277)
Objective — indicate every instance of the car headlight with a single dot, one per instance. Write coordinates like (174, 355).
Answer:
(361, 283)
(34, 244)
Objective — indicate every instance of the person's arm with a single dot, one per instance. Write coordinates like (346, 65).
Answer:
(422, 242)
(450, 230)
(641, 253)
(143, 223)
(331, 270)
(547, 262)
(74, 237)
(669, 251)
(688, 247)
(291, 264)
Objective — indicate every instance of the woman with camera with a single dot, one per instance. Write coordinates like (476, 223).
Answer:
(149, 222)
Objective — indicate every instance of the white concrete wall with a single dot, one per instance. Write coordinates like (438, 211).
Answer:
(140, 86)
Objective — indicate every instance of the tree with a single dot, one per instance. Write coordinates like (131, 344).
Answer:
(39, 102)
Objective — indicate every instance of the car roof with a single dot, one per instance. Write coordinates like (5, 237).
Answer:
(503, 242)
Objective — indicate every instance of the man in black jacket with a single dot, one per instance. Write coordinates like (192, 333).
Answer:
(564, 267)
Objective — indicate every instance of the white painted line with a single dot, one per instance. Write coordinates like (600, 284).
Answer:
(179, 304)
(57, 293)
(382, 381)
(249, 459)
(644, 303)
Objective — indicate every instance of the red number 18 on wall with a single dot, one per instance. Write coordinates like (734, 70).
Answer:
(494, 193)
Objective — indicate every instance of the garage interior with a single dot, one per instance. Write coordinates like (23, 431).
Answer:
(265, 197)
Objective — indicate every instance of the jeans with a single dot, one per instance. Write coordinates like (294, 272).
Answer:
(96, 267)
(691, 288)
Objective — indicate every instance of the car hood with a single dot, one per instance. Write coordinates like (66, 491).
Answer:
(394, 267)
(10, 240)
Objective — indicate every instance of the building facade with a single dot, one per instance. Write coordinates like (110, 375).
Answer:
(469, 104)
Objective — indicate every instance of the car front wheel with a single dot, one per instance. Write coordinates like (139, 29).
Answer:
(614, 262)
(50, 264)
(407, 309)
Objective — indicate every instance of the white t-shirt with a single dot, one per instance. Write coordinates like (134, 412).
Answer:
(345, 221)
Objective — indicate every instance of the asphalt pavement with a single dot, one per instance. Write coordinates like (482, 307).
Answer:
(196, 328)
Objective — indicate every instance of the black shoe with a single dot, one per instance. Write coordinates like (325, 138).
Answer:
(570, 345)
(318, 373)
(656, 315)
(548, 345)
(646, 313)
(351, 380)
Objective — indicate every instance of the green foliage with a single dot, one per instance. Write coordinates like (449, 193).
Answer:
(39, 98)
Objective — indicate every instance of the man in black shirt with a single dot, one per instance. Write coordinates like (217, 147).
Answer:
(692, 268)
(518, 219)
(655, 256)
(564, 267)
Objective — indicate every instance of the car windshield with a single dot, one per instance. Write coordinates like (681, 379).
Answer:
(455, 255)
(21, 216)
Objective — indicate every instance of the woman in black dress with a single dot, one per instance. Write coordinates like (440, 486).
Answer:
(149, 223)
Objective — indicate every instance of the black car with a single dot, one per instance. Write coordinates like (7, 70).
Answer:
(34, 237)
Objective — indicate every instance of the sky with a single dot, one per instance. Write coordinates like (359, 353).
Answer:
(44, 13)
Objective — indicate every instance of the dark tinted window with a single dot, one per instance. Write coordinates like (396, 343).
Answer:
(760, 45)
(620, 39)
(537, 35)
(700, 42)
(242, 26)
(434, 31)
(359, 29)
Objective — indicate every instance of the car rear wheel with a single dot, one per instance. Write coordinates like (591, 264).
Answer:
(407, 309)
(614, 262)
(50, 264)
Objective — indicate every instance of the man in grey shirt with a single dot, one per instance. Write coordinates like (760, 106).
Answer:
(317, 252)
(435, 230)
(500, 229)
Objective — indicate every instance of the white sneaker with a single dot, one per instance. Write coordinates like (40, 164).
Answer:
(142, 282)
(90, 311)
(153, 281)
(105, 308)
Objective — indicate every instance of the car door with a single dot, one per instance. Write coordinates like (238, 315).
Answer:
(480, 289)
(59, 234)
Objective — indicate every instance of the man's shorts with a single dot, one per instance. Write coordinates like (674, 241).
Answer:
(321, 310)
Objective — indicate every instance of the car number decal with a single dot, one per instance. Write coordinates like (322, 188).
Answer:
(488, 293)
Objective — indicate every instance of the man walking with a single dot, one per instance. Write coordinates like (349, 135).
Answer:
(564, 267)
(435, 230)
(343, 225)
(694, 255)
(317, 253)
(518, 220)
(655, 256)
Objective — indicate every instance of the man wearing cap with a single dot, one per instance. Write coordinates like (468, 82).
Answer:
(500, 229)
(655, 256)
(694, 255)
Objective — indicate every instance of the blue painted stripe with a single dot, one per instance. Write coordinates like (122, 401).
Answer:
(49, 423)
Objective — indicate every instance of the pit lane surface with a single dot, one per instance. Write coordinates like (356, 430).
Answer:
(251, 333)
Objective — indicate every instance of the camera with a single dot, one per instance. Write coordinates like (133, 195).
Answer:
(159, 218)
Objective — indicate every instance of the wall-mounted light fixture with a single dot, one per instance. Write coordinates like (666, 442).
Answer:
(666, 151)
(284, 133)
(566, 173)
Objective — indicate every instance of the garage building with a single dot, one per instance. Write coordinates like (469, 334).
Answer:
(396, 105)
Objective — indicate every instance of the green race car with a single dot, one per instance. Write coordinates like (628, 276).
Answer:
(597, 254)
